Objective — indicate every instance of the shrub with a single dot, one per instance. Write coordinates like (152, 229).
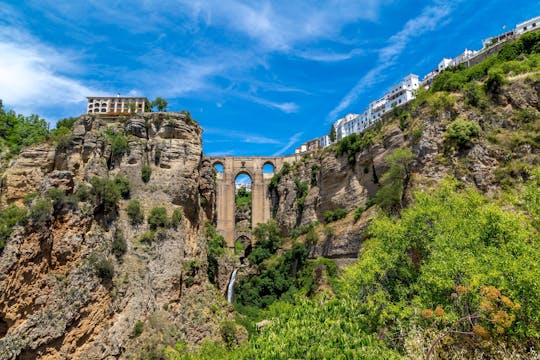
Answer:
(84, 192)
(331, 216)
(314, 173)
(475, 96)
(494, 82)
(123, 186)
(104, 268)
(216, 246)
(312, 237)
(10, 217)
(176, 218)
(147, 237)
(138, 328)
(106, 195)
(158, 218)
(228, 333)
(41, 212)
(146, 172)
(459, 132)
(29, 198)
(135, 212)
(57, 197)
(352, 144)
(358, 213)
(393, 182)
(119, 145)
(268, 236)
(119, 245)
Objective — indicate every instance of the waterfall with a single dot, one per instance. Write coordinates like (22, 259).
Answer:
(230, 290)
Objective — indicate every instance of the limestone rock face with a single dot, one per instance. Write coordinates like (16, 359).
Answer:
(53, 304)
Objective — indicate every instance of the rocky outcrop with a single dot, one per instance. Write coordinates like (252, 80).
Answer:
(53, 304)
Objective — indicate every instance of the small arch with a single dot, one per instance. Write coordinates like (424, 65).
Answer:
(268, 168)
(242, 246)
(219, 167)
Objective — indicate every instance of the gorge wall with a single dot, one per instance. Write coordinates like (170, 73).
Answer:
(53, 304)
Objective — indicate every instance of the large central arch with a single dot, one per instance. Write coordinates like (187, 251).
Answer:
(225, 188)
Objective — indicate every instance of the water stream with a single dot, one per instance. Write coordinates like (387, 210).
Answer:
(230, 290)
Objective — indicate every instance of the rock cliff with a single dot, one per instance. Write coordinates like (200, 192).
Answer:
(53, 303)
(502, 154)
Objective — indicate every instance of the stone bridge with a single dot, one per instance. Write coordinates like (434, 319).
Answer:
(225, 190)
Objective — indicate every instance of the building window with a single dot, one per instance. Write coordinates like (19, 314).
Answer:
(103, 110)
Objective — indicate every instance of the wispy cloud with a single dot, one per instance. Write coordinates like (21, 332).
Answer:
(428, 20)
(329, 56)
(292, 140)
(34, 76)
(239, 136)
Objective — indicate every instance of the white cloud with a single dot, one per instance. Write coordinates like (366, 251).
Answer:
(292, 140)
(280, 25)
(428, 20)
(31, 75)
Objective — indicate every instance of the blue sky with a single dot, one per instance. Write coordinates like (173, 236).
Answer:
(261, 77)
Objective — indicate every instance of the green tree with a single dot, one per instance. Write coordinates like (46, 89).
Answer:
(146, 173)
(160, 103)
(135, 212)
(332, 134)
(460, 132)
(390, 195)
(158, 218)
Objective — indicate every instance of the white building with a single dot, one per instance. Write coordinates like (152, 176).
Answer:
(346, 125)
(529, 25)
(463, 57)
(397, 95)
(445, 63)
(324, 141)
(115, 104)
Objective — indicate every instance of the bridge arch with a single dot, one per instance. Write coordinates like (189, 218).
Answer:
(225, 190)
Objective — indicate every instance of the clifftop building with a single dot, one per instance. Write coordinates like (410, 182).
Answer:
(115, 105)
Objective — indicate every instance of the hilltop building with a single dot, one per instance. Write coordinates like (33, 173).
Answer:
(115, 104)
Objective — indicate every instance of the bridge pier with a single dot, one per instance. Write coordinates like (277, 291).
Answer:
(225, 196)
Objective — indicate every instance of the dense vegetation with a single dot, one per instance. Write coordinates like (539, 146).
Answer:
(447, 272)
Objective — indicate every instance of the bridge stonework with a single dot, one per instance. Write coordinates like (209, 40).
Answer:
(225, 190)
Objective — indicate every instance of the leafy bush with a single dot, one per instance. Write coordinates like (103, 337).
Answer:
(119, 245)
(494, 82)
(460, 132)
(268, 239)
(301, 193)
(331, 216)
(314, 173)
(358, 213)
(41, 212)
(103, 267)
(18, 131)
(216, 246)
(393, 182)
(475, 96)
(135, 212)
(354, 143)
(312, 237)
(228, 333)
(279, 278)
(158, 218)
(119, 144)
(56, 196)
(146, 173)
(84, 193)
(10, 217)
(106, 195)
(176, 218)
(147, 237)
(138, 328)
(123, 185)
